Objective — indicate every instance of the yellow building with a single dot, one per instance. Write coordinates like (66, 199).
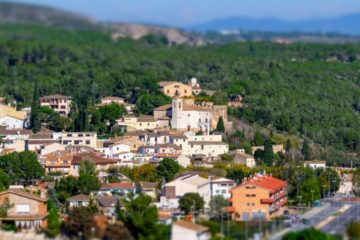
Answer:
(176, 89)
(261, 196)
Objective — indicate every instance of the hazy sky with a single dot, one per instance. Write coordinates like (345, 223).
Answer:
(187, 12)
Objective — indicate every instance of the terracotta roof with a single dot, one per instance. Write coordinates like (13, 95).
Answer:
(4, 131)
(120, 185)
(56, 96)
(24, 194)
(92, 157)
(79, 198)
(191, 226)
(159, 134)
(40, 141)
(163, 107)
(264, 181)
(315, 162)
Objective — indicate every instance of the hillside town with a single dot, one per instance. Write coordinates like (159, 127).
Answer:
(166, 160)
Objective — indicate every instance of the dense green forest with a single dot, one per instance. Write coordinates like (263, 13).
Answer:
(307, 90)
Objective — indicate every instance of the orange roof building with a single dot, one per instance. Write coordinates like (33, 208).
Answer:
(261, 196)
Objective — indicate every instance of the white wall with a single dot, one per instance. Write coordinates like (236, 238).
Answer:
(11, 122)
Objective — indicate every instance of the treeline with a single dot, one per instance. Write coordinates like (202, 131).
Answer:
(307, 90)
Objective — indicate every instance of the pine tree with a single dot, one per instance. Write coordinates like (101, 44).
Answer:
(268, 153)
(35, 123)
(306, 152)
(220, 127)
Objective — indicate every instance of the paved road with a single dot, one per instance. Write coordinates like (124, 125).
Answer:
(339, 224)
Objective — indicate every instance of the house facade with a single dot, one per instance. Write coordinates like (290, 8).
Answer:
(27, 211)
(261, 196)
(175, 89)
(59, 103)
(10, 118)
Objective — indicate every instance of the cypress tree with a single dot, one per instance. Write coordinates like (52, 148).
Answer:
(288, 145)
(268, 153)
(35, 123)
(306, 150)
(220, 125)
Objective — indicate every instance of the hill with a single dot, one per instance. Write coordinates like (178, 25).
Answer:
(306, 90)
(42, 15)
(36, 14)
(346, 24)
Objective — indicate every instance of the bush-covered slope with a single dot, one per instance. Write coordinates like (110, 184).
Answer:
(304, 89)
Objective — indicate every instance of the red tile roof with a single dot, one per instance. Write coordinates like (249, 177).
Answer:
(265, 181)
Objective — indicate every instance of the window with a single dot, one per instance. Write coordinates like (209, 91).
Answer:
(22, 208)
(69, 135)
(80, 135)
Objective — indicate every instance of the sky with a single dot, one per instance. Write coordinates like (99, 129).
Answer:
(192, 12)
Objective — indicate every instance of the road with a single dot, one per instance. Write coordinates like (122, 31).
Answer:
(339, 224)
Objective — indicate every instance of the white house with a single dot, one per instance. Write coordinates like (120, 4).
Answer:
(183, 230)
(117, 151)
(208, 145)
(13, 119)
(111, 99)
(315, 164)
(221, 186)
(192, 182)
(79, 200)
(240, 157)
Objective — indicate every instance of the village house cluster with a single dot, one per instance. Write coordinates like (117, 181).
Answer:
(182, 130)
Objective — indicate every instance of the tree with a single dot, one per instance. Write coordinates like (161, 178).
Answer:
(35, 123)
(310, 190)
(80, 221)
(191, 202)
(217, 205)
(110, 113)
(259, 139)
(54, 222)
(308, 234)
(268, 153)
(4, 180)
(353, 230)
(167, 169)
(66, 188)
(220, 98)
(87, 167)
(88, 183)
(22, 167)
(140, 217)
(306, 151)
(220, 127)
(117, 231)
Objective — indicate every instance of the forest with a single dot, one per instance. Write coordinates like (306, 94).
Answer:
(307, 90)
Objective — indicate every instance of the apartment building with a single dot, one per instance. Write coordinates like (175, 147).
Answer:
(260, 196)
(59, 103)
(76, 138)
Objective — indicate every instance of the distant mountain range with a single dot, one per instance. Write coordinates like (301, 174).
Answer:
(221, 31)
(42, 15)
(348, 24)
